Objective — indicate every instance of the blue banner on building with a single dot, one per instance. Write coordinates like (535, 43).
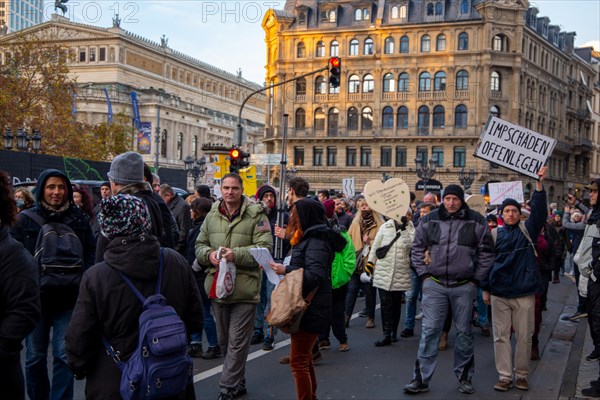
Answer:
(136, 111)
(145, 138)
(109, 115)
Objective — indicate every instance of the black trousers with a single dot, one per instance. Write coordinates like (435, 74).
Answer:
(338, 314)
(391, 305)
(593, 310)
(12, 384)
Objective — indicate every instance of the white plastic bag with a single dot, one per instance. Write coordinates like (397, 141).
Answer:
(225, 279)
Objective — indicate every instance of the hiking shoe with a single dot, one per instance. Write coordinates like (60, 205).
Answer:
(593, 356)
(416, 386)
(502, 386)
(269, 344)
(578, 315)
(324, 344)
(195, 350)
(344, 347)
(257, 337)
(286, 359)
(522, 384)
(466, 387)
(211, 353)
(407, 332)
(593, 391)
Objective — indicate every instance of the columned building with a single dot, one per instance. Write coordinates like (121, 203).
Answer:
(419, 80)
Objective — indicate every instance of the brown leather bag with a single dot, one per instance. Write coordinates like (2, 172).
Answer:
(287, 304)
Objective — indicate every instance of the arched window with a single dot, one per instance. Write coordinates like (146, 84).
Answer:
(387, 117)
(332, 121)
(464, 7)
(332, 16)
(358, 15)
(440, 42)
(402, 121)
(429, 9)
(319, 119)
(495, 81)
(366, 119)
(394, 12)
(439, 117)
(439, 81)
(462, 80)
(460, 116)
(403, 12)
(353, 51)
(366, 14)
(301, 87)
(368, 46)
(423, 122)
(354, 84)
(424, 82)
(500, 43)
(403, 82)
(334, 49)
(320, 85)
(388, 47)
(301, 50)
(425, 44)
(495, 111)
(404, 44)
(352, 119)
(439, 8)
(320, 49)
(300, 122)
(163, 143)
(463, 41)
(180, 146)
(368, 84)
(389, 83)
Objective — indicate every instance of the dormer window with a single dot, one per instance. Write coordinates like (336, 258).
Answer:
(395, 12)
(362, 14)
(328, 16)
(464, 7)
(302, 17)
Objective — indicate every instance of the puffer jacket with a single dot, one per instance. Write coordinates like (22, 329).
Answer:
(392, 273)
(460, 246)
(249, 229)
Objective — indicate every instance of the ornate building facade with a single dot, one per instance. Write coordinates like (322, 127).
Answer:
(419, 80)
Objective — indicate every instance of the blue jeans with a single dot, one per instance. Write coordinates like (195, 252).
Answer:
(482, 309)
(411, 300)
(263, 307)
(36, 364)
(209, 327)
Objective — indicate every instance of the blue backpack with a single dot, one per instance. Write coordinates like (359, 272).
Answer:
(160, 366)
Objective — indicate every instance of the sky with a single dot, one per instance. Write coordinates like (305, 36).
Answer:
(228, 33)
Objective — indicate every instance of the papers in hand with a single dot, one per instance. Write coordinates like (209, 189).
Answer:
(262, 257)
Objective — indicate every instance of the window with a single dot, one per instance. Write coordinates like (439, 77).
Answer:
(464, 7)
(499, 43)
(460, 156)
(301, 50)
(331, 16)
(320, 49)
(440, 42)
(317, 156)
(102, 54)
(320, 85)
(423, 122)
(358, 15)
(425, 44)
(460, 116)
(366, 120)
(388, 47)
(403, 82)
(350, 156)
(354, 84)
(404, 44)
(353, 47)
(401, 156)
(298, 155)
(301, 87)
(386, 156)
(366, 14)
(439, 8)
(352, 119)
(334, 49)
(368, 84)
(92, 54)
(180, 146)
(402, 121)
(462, 80)
(319, 119)
(402, 12)
(163, 143)
(423, 153)
(300, 122)
(368, 50)
(332, 121)
(439, 81)
(424, 82)
(495, 81)
(438, 154)
(439, 116)
(463, 41)
(331, 156)
(82, 55)
(365, 156)
(387, 117)
(429, 9)
(195, 146)
(394, 12)
(389, 83)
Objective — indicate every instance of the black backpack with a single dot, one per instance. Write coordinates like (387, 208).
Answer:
(58, 252)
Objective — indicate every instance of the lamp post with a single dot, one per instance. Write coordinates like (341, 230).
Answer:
(466, 179)
(196, 169)
(424, 171)
(23, 140)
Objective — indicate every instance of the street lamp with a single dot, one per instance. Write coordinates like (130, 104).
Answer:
(8, 139)
(466, 180)
(23, 140)
(425, 172)
(196, 169)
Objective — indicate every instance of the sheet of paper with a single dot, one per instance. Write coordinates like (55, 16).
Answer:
(262, 257)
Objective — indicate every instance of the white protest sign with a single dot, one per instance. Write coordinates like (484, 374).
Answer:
(506, 190)
(476, 202)
(348, 187)
(391, 198)
(514, 147)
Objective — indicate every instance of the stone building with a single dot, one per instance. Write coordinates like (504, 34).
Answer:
(420, 79)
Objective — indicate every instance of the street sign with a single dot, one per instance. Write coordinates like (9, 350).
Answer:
(348, 187)
(265, 159)
(431, 186)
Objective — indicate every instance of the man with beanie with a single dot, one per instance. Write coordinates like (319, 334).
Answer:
(54, 203)
(105, 192)
(461, 254)
(512, 284)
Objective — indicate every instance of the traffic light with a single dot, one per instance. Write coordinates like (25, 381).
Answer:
(335, 71)
(238, 159)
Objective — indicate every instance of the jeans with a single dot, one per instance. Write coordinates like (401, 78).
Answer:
(370, 296)
(411, 300)
(263, 307)
(210, 328)
(482, 309)
(303, 368)
(36, 364)
(338, 323)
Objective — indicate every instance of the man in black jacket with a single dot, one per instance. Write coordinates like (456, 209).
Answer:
(181, 211)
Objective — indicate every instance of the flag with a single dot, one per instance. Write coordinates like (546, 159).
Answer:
(136, 111)
(109, 115)
(74, 105)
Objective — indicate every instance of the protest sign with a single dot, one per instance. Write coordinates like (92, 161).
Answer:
(391, 198)
(506, 190)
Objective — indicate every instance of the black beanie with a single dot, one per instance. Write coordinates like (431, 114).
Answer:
(455, 190)
(510, 202)
(265, 189)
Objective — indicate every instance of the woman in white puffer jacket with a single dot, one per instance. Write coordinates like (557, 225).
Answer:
(391, 274)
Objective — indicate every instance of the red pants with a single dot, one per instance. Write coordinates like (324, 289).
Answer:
(301, 361)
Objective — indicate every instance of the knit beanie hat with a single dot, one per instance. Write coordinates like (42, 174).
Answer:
(329, 205)
(265, 189)
(107, 184)
(124, 215)
(455, 190)
(127, 168)
(510, 202)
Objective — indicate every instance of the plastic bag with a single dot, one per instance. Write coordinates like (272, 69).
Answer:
(225, 279)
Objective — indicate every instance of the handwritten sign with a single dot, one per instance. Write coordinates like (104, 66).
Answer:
(476, 202)
(514, 147)
(391, 198)
(506, 190)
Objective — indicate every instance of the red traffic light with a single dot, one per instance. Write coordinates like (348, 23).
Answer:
(335, 62)
(234, 154)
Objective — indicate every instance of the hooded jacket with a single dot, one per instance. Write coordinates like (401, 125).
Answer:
(272, 215)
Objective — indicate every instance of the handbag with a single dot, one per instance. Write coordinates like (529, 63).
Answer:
(361, 259)
(287, 304)
(383, 250)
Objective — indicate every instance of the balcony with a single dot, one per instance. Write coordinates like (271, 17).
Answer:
(495, 95)
(300, 98)
(435, 95)
(320, 98)
(354, 96)
(461, 95)
(583, 143)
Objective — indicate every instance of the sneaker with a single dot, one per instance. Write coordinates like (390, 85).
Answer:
(195, 350)
(593, 356)
(269, 344)
(502, 386)
(212, 353)
(344, 347)
(257, 337)
(324, 344)
(419, 316)
(593, 391)
(239, 390)
(578, 315)
(286, 359)
(466, 387)
(416, 386)
(225, 394)
(407, 332)
(522, 384)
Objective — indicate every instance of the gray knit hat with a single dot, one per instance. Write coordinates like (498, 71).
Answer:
(127, 168)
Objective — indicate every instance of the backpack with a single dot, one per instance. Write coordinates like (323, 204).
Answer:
(58, 253)
(160, 366)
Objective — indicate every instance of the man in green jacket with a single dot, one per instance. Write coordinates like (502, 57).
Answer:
(235, 225)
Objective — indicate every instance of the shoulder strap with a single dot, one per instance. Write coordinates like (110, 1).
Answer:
(526, 233)
(38, 219)
(395, 238)
(495, 235)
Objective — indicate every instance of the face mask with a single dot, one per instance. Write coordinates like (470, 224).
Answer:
(20, 203)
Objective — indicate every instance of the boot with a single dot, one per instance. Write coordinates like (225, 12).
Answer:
(384, 341)
(443, 344)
